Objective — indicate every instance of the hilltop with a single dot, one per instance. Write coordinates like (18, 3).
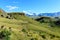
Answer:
(17, 26)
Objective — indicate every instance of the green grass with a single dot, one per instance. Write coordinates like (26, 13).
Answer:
(33, 30)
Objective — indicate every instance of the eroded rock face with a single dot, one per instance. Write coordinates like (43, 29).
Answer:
(3, 13)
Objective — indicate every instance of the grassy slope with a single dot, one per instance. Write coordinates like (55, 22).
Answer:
(25, 28)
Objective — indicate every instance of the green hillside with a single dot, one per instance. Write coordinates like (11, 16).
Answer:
(20, 27)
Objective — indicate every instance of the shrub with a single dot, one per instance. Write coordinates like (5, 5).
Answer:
(2, 26)
(2, 15)
(43, 36)
(57, 22)
(52, 36)
(5, 34)
(23, 30)
(34, 39)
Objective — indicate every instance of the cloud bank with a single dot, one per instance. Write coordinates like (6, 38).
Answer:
(12, 7)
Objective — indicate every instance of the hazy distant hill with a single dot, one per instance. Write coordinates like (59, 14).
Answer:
(57, 14)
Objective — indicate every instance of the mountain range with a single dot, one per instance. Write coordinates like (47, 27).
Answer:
(55, 14)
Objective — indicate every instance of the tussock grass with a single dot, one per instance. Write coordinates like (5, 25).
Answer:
(24, 28)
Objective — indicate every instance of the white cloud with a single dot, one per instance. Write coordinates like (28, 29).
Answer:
(12, 7)
(28, 12)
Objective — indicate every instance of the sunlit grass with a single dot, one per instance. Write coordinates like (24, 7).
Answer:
(33, 29)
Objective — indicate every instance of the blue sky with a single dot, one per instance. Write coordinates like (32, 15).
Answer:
(30, 6)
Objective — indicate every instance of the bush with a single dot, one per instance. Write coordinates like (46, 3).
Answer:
(23, 30)
(43, 36)
(57, 22)
(52, 36)
(2, 15)
(5, 34)
(34, 39)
